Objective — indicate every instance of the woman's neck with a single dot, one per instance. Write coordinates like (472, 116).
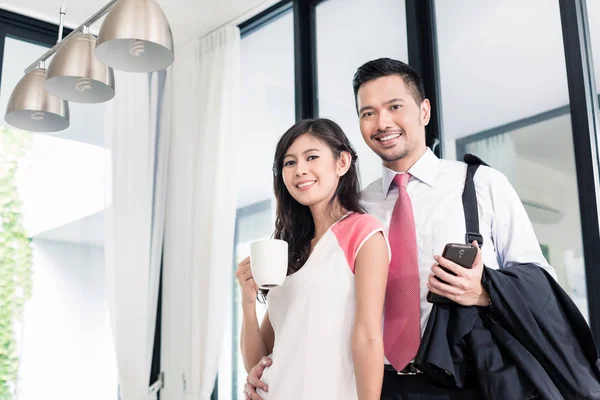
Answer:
(325, 216)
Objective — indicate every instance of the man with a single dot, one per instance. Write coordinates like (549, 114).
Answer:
(419, 197)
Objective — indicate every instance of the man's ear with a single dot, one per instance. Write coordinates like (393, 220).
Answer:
(425, 112)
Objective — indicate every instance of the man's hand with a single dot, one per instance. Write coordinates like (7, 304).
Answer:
(253, 380)
(465, 288)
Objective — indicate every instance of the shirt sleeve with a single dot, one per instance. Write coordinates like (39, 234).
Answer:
(514, 237)
(353, 232)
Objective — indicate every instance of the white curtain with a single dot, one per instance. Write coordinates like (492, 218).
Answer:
(201, 209)
(139, 144)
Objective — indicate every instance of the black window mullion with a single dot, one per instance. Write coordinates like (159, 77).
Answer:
(215, 393)
(423, 57)
(2, 40)
(264, 18)
(33, 29)
(584, 121)
(155, 370)
(29, 29)
(26, 29)
(305, 59)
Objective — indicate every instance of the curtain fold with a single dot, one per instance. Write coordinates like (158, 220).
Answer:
(138, 137)
(201, 207)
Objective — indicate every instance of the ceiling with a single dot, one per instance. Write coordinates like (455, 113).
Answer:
(188, 18)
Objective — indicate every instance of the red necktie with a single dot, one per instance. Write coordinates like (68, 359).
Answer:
(402, 315)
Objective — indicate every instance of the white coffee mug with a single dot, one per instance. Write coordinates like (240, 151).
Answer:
(269, 262)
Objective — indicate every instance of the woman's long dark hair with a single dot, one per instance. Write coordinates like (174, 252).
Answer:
(294, 222)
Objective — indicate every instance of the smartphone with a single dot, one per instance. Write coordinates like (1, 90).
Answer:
(461, 254)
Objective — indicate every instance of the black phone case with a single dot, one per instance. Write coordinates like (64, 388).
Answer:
(461, 254)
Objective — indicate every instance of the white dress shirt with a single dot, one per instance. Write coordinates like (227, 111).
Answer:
(435, 189)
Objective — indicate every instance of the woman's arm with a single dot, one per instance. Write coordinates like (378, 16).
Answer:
(255, 342)
(371, 270)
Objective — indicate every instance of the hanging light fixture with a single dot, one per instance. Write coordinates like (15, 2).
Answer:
(135, 37)
(32, 108)
(76, 75)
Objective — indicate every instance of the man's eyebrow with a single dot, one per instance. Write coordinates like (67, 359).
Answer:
(394, 100)
(365, 108)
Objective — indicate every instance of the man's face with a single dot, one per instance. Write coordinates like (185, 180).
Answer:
(391, 122)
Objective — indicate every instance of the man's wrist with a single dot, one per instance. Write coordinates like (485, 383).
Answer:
(484, 299)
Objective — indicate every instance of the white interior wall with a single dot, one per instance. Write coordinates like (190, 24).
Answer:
(66, 341)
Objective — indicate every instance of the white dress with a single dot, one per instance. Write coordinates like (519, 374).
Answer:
(312, 315)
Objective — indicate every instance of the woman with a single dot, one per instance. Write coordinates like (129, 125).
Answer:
(329, 308)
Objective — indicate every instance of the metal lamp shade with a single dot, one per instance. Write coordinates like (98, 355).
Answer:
(32, 108)
(135, 37)
(76, 75)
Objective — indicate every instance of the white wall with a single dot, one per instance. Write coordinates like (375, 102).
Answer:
(66, 341)
(63, 181)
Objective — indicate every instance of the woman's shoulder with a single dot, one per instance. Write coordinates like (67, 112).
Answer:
(359, 221)
(354, 231)
(355, 228)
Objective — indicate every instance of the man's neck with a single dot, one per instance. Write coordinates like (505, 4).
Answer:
(405, 163)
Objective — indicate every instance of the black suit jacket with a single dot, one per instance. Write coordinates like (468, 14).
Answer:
(531, 343)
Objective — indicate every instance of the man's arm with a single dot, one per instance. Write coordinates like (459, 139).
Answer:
(514, 239)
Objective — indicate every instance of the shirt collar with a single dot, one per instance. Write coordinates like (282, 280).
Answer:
(425, 170)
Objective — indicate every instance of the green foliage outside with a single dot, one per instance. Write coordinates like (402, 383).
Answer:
(16, 256)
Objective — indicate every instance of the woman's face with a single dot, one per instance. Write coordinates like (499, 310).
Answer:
(311, 172)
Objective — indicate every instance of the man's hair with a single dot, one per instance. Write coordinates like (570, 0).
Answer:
(386, 67)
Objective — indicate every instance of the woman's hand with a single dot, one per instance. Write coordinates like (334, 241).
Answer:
(248, 286)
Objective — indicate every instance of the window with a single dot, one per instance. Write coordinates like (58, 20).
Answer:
(267, 57)
(342, 48)
(253, 222)
(61, 345)
(593, 11)
(499, 105)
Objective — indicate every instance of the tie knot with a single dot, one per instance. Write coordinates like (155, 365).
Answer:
(401, 180)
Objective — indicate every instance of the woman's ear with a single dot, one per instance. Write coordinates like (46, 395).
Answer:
(344, 162)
